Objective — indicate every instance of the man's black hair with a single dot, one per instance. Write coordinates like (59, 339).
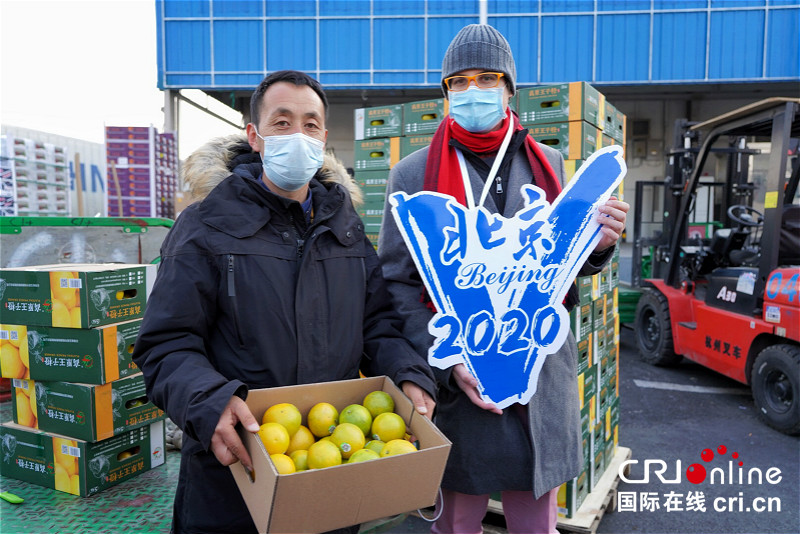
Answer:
(291, 76)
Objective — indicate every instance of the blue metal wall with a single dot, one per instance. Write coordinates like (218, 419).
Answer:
(233, 44)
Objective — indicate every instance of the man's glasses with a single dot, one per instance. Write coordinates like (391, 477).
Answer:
(484, 80)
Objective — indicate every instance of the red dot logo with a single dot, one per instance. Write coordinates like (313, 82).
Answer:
(695, 473)
(707, 455)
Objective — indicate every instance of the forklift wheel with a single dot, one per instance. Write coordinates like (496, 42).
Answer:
(654, 330)
(775, 381)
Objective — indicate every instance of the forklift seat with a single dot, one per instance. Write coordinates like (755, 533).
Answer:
(727, 240)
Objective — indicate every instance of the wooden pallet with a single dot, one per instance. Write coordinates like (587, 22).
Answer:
(602, 499)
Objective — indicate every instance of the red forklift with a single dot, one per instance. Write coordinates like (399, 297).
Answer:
(721, 238)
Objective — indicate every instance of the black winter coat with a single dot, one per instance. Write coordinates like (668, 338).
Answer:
(248, 296)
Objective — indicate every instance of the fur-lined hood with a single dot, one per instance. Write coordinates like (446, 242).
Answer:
(214, 161)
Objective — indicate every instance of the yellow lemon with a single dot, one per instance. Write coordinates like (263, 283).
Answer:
(388, 426)
(378, 402)
(275, 437)
(285, 414)
(61, 316)
(75, 317)
(349, 438)
(397, 446)
(323, 454)
(63, 482)
(124, 455)
(10, 362)
(375, 445)
(25, 416)
(363, 455)
(357, 415)
(300, 459)
(75, 484)
(322, 419)
(301, 440)
(283, 464)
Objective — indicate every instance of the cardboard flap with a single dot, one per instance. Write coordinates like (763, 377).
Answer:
(259, 491)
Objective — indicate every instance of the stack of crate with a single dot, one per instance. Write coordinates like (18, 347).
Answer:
(142, 171)
(595, 324)
(36, 178)
(385, 135)
(81, 418)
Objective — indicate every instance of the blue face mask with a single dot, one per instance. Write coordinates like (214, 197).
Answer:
(290, 161)
(477, 110)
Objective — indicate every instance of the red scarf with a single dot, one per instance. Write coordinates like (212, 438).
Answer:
(443, 173)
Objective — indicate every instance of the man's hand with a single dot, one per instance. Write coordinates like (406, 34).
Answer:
(225, 443)
(423, 402)
(612, 218)
(469, 385)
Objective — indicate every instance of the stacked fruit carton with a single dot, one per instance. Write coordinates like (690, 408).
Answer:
(595, 324)
(81, 418)
(36, 177)
(385, 135)
(143, 179)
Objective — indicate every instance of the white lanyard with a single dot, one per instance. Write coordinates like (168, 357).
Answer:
(492, 172)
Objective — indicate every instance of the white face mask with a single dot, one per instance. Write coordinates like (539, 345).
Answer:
(290, 161)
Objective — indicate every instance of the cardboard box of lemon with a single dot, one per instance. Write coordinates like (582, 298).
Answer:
(339, 451)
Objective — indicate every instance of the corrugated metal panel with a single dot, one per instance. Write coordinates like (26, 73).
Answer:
(573, 6)
(346, 44)
(623, 43)
(354, 42)
(397, 44)
(453, 7)
(229, 55)
(302, 55)
(682, 43)
(736, 57)
(236, 8)
(295, 8)
(523, 37)
(567, 45)
(440, 32)
(623, 5)
(398, 7)
(783, 43)
(513, 6)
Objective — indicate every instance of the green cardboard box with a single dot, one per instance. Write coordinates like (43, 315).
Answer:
(619, 127)
(584, 354)
(372, 184)
(410, 144)
(372, 209)
(587, 386)
(381, 121)
(84, 411)
(585, 295)
(581, 321)
(376, 154)
(572, 493)
(576, 101)
(424, 116)
(75, 295)
(76, 466)
(597, 462)
(609, 118)
(574, 139)
(90, 356)
(614, 282)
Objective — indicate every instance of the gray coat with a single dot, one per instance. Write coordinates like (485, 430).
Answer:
(535, 449)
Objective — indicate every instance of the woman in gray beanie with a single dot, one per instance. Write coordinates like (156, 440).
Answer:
(525, 451)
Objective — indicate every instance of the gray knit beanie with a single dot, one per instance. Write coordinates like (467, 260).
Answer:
(479, 46)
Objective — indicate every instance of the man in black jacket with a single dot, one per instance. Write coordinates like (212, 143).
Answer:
(267, 280)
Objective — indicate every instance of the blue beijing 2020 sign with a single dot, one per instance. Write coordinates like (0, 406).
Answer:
(499, 284)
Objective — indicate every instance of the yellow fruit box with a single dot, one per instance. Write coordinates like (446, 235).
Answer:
(84, 411)
(346, 494)
(76, 466)
(86, 355)
(75, 295)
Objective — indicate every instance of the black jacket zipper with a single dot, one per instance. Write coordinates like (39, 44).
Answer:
(232, 295)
